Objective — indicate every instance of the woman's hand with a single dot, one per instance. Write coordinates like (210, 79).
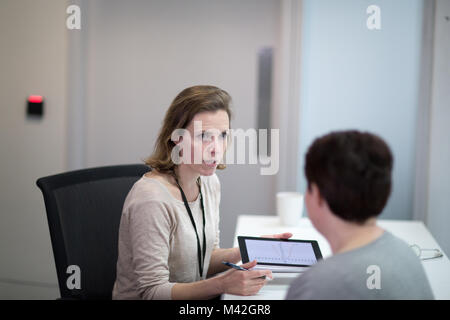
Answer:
(244, 283)
(285, 235)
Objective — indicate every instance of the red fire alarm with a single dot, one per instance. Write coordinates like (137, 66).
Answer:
(35, 106)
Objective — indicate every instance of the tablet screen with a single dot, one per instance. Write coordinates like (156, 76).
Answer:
(279, 252)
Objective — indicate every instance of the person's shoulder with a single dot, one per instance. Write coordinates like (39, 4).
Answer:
(325, 269)
(147, 189)
(336, 277)
(391, 241)
(401, 254)
(396, 248)
(316, 283)
(148, 201)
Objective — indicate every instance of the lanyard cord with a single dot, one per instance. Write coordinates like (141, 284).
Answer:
(201, 258)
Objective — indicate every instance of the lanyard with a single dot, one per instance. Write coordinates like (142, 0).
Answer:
(199, 251)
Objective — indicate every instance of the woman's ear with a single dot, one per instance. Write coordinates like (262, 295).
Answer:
(179, 140)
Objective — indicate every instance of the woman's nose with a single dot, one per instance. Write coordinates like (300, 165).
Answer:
(213, 145)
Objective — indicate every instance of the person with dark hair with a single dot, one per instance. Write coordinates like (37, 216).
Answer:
(349, 180)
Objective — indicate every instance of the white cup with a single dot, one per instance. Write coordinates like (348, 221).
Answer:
(289, 208)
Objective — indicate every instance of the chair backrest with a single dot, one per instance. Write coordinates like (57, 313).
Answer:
(83, 212)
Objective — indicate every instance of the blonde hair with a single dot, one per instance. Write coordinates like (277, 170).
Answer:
(184, 107)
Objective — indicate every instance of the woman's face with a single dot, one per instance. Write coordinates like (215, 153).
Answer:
(209, 132)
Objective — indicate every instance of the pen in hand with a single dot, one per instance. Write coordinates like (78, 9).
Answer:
(235, 266)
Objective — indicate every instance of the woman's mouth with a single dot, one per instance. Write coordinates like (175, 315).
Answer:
(210, 163)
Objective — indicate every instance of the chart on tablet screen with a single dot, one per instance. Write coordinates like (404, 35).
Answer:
(298, 253)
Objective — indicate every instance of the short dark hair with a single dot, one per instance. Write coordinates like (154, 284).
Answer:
(352, 171)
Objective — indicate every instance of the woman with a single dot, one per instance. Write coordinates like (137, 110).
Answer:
(169, 230)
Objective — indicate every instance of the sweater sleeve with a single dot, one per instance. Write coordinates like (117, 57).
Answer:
(149, 229)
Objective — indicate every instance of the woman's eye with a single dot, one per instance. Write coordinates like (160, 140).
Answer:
(204, 136)
(208, 136)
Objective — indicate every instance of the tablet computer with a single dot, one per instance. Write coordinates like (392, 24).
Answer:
(279, 255)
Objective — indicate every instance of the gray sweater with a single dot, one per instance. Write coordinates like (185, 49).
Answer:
(387, 269)
(157, 242)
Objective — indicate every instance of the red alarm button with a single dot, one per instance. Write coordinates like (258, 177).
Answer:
(35, 99)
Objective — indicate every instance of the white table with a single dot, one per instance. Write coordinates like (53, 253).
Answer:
(413, 232)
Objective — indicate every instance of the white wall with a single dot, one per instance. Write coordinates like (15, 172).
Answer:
(368, 80)
(438, 219)
(33, 61)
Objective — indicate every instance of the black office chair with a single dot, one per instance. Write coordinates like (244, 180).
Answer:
(83, 212)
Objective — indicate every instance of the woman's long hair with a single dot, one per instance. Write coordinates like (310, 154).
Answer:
(184, 107)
